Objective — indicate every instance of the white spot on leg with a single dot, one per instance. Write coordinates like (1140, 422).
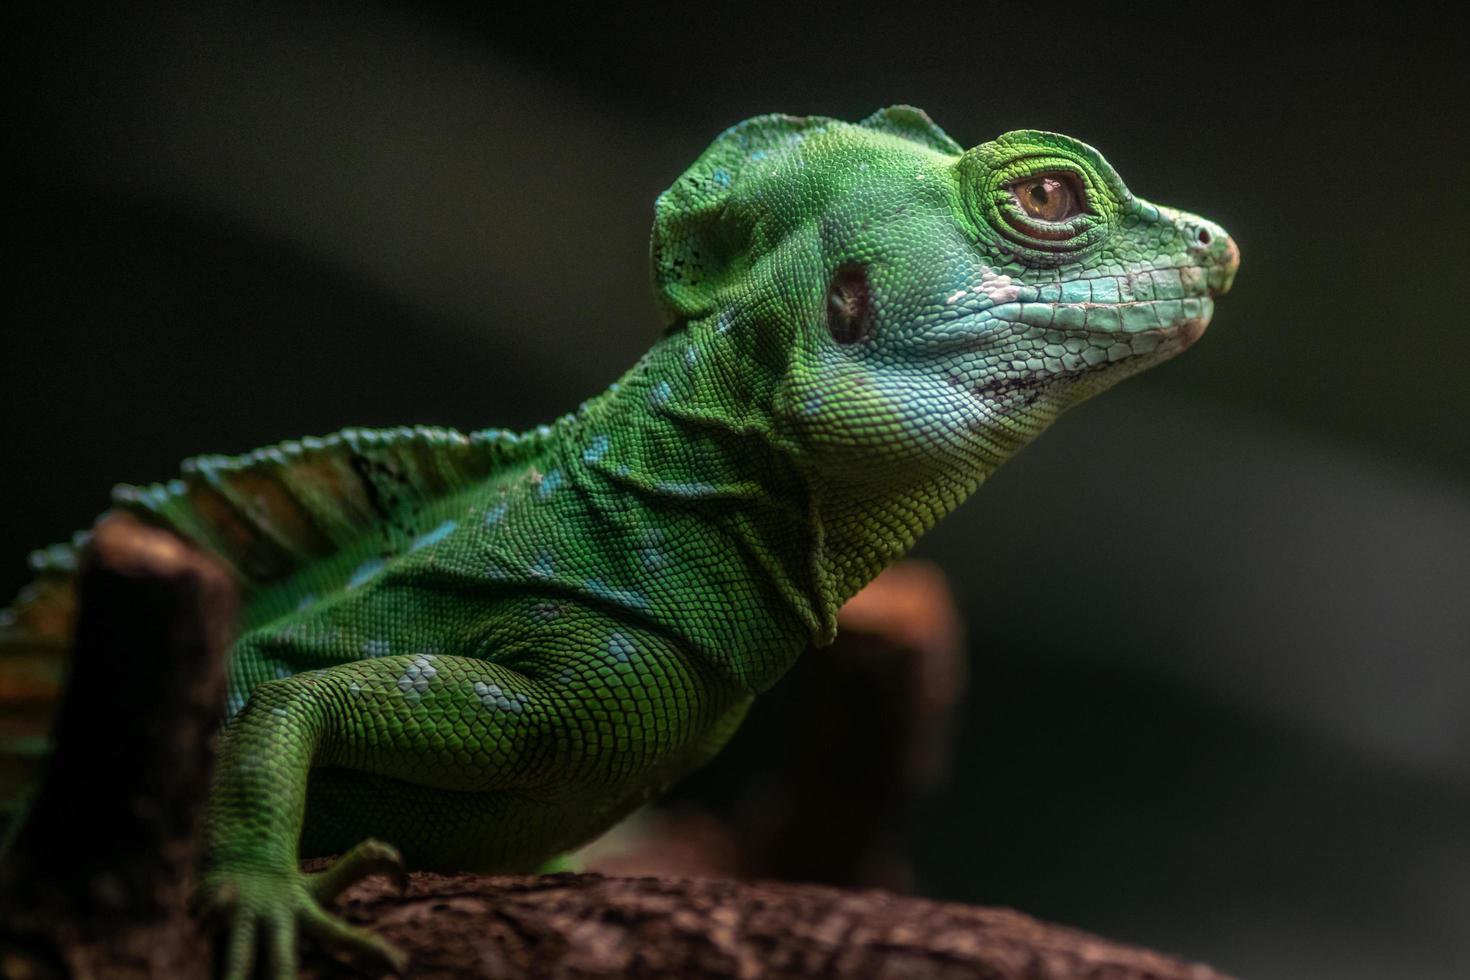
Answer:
(493, 698)
(416, 676)
(620, 648)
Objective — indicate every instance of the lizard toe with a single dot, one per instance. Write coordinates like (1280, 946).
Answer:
(364, 950)
(369, 858)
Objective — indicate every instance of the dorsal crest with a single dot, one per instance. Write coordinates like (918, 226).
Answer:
(270, 512)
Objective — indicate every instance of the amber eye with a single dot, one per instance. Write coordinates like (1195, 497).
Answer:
(1049, 197)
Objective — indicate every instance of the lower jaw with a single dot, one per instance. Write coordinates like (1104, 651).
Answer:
(1176, 339)
(1194, 328)
(1191, 330)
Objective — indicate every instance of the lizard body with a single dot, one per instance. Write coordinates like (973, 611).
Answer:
(488, 648)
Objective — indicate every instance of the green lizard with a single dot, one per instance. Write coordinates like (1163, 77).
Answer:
(488, 648)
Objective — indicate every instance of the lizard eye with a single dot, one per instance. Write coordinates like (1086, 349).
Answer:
(1050, 196)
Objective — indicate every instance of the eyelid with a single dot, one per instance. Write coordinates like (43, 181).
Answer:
(989, 180)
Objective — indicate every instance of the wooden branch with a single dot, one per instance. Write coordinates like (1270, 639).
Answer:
(584, 926)
(95, 880)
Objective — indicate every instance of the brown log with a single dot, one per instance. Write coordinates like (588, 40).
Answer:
(96, 878)
(585, 926)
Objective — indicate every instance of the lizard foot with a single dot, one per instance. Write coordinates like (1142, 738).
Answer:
(266, 908)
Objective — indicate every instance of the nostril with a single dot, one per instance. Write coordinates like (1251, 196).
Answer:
(1203, 236)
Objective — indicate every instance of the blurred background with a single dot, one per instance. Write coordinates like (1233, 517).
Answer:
(1218, 620)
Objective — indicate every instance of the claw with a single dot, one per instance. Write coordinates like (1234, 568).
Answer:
(369, 858)
(365, 950)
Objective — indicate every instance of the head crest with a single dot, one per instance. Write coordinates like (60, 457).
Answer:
(699, 243)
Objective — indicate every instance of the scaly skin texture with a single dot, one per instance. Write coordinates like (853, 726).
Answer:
(487, 649)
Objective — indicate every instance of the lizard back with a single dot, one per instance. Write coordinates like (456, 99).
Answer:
(293, 520)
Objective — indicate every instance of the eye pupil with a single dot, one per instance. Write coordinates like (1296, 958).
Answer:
(1049, 197)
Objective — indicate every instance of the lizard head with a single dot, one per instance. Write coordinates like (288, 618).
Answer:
(897, 302)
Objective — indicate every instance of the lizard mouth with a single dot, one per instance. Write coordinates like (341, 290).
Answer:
(1191, 329)
(1086, 353)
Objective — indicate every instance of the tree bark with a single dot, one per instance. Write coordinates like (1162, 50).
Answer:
(584, 926)
(95, 880)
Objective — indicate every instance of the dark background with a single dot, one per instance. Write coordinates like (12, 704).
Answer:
(1218, 618)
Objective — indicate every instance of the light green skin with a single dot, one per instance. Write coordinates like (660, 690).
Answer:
(597, 604)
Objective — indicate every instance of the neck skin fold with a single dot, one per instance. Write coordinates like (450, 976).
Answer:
(695, 443)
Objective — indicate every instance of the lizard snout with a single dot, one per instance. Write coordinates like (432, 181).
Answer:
(1217, 252)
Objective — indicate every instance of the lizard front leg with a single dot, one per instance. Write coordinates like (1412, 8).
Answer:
(468, 731)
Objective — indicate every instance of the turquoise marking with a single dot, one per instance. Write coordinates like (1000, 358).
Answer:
(618, 596)
(544, 566)
(650, 551)
(620, 647)
(435, 536)
(364, 572)
(660, 394)
(497, 513)
(549, 484)
(688, 489)
(375, 648)
(596, 449)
